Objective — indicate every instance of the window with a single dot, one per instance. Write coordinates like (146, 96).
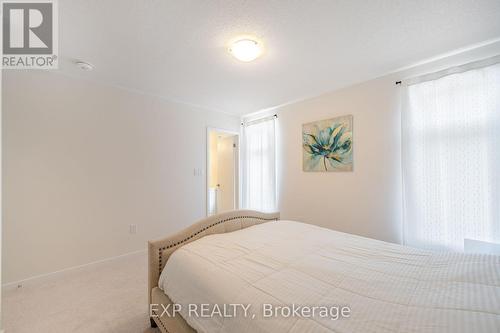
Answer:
(259, 165)
(451, 157)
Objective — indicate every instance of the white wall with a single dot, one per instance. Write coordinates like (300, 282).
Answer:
(367, 201)
(83, 161)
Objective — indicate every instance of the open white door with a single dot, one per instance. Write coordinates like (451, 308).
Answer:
(222, 171)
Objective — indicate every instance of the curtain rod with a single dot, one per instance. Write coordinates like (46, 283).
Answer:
(258, 120)
(453, 70)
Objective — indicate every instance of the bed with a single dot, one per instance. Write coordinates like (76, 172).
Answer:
(254, 260)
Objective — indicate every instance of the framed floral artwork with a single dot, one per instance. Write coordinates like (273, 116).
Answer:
(327, 145)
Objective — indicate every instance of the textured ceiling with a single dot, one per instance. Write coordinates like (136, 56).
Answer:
(176, 49)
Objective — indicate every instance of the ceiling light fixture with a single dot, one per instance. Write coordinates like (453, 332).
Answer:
(84, 66)
(246, 49)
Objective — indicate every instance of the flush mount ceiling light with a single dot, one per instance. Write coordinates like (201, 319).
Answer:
(246, 49)
(84, 66)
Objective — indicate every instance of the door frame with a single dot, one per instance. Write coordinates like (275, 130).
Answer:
(237, 172)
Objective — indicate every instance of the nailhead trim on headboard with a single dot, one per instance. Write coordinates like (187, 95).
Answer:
(160, 250)
(159, 321)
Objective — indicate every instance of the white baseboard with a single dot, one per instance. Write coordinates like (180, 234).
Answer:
(46, 276)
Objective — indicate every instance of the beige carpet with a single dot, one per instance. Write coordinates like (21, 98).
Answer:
(107, 297)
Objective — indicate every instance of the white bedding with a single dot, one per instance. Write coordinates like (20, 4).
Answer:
(388, 287)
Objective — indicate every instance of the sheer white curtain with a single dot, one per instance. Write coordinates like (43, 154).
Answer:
(259, 165)
(451, 157)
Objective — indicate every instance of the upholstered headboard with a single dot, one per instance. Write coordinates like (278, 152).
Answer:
(160, 250)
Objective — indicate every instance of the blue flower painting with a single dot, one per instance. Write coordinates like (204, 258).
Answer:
(327, 145)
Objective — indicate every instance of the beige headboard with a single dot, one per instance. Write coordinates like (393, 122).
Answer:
(160, 250)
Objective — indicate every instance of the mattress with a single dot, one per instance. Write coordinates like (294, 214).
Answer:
(285, 264)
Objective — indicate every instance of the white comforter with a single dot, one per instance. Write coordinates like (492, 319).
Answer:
(388, 287)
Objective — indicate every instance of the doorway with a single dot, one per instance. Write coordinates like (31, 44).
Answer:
(222, 171)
